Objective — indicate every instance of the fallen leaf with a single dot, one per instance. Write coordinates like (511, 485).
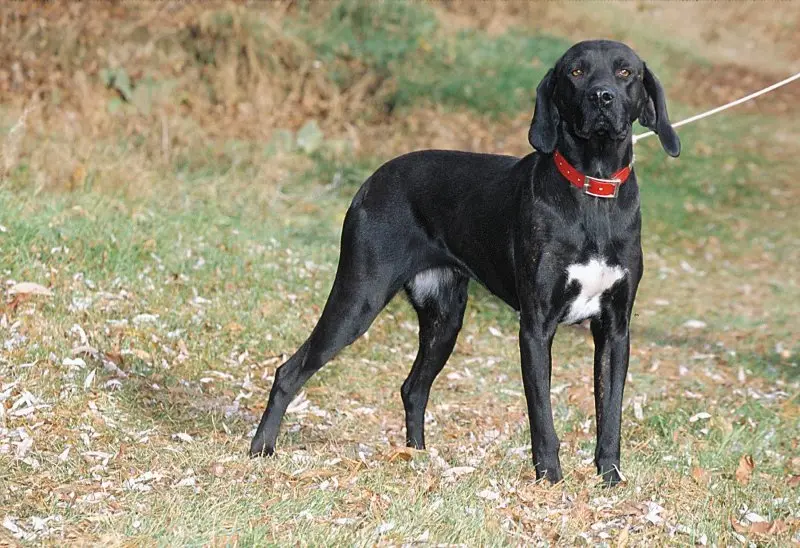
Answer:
(458, 471)
(23, 447)
(234, 327)
(74, 362)
(217, 469)
(653, 511)
(752, 517)
(622, 539)
(87, 383)
(759, 527)
(794, 480)
(299, 404)
(745, 469)
(488, 494)
(401, 453)
(694, 324)
(29, 288)
(186, 482)
(115, 358)
(183, 436)
(701, 475)
(144, 318)
(141, 354)
(9, 524)
(638, 413)
(701, 415)
(85, 349)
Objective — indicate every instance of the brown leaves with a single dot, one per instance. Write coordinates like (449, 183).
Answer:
(29, 288)
(78, 177)
(400, 454)
(622, 539)
(451, 474)
(22, 291)
(701, 476)
(794, 465)
(217, 469)
(759, 527)
(234, 328)
(114, 357)
(745, 469)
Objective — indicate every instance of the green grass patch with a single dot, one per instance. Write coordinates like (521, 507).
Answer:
(496, 75)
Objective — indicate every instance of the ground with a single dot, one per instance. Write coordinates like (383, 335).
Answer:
(170, 210)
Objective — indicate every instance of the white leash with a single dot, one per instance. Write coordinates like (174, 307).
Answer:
(723, 107)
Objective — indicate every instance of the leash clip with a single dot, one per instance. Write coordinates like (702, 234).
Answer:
(615, 184)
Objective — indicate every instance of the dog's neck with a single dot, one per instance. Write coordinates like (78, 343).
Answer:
(596, 157)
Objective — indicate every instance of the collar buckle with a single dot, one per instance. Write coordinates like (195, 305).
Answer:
(615, 184)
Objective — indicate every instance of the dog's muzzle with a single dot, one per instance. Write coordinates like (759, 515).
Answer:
(603, 120)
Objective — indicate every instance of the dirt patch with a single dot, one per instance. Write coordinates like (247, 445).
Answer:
(719, 84)
(432, 126)
(762, 34)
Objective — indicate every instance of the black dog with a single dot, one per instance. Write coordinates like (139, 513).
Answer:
(556, 235)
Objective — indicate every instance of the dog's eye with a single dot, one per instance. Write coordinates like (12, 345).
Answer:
(623, 73)
(577, 72)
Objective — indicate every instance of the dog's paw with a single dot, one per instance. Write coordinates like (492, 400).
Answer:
(610, 474)
(551, 472)
(260, 449)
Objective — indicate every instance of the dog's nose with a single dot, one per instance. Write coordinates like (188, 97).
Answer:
(601, 95)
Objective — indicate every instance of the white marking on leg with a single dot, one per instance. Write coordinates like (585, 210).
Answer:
(595, 278)
(428, 283)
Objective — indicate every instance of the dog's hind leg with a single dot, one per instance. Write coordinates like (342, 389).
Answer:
(362, 288)
(439, 296)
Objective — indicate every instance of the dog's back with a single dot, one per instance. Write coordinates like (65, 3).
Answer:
(453, 203)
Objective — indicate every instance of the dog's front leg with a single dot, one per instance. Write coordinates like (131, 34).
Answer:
(535, 341)
(611, 353)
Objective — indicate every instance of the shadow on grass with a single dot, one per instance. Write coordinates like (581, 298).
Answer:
(185, 406)
(178, 405)
(772, 365)
(768, 364)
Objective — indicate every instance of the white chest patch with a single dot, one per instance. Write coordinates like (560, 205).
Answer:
(595, 278)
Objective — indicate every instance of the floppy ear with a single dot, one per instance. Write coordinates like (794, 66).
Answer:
(648, 115)
(543, 134)
(654, 114)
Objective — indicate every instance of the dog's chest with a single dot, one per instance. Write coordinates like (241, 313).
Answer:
(594, 278)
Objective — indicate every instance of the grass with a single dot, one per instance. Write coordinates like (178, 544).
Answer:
(404, 42)
(192, 277)
(265, 273)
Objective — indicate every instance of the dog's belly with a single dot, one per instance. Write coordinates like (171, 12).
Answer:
(594, 278)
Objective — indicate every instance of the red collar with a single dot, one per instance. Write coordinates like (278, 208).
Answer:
(601, 188)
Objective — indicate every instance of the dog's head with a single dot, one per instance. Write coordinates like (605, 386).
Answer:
(595, 92)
